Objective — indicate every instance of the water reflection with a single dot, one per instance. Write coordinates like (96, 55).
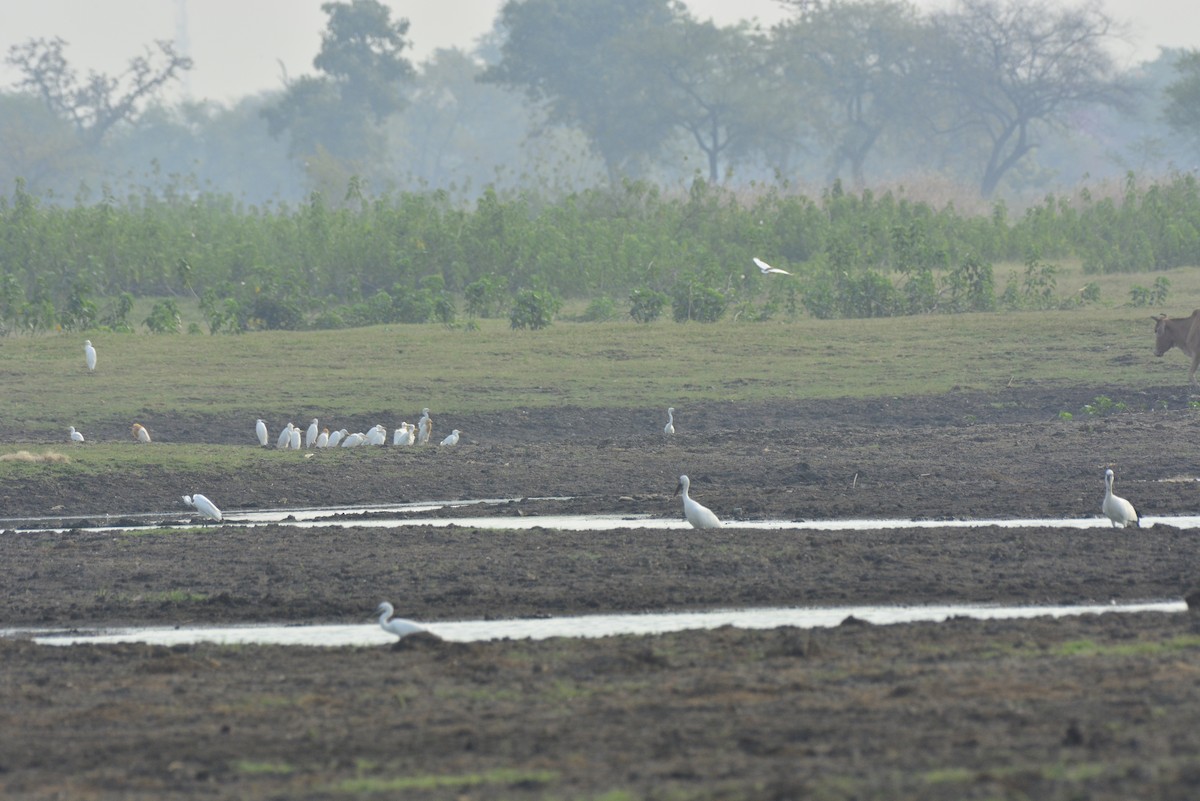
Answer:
(580, 626)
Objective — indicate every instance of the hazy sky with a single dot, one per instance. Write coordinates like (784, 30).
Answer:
(239, 45)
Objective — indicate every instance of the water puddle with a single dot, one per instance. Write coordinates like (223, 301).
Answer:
(367, 634)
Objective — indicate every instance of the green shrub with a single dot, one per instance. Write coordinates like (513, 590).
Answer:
(533, 309)
(164, 318)
(599, 310)
(694, 301)
(646, 305)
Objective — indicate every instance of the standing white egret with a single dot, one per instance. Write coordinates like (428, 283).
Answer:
(322, 439)
(452, 439)
(285, 437)
(336, 437)
(699, 516)
(260, 431)
(1118, 510)
(768, 269)
(310, 436)
(396, 625)
(398, 434)
(204, 506)
(294, 438)
(140, 433)
(75, 435)
(669, 428)
(89, 354)
(424, 428)
(353, 440)
(377, 435)
(405, 434)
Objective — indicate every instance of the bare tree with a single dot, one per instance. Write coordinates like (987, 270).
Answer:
(100, 102)
(1010, 69)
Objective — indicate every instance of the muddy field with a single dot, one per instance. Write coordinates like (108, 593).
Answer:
(1091, 707)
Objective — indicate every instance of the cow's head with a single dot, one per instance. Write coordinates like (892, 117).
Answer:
(1163, 339)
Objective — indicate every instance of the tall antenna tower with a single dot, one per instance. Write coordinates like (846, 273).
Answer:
(183, 43)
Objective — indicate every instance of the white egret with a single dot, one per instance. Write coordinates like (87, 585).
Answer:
(1118, 510)
(75, 435)
(336, 437)
(294, 439)
(396, 625)
(405, 433)
(140, 433)
(699, 516)
(353, 440)
(452, 439)
(669, 428)
(768, 269)
(310, 436)
(424, 428)
(204, 506)
(285, 437)
(377, 435)
(89, 353)
(322, 439)
(398, 434)
(260, 430)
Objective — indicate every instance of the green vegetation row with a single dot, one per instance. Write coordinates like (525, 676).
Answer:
(638, 250)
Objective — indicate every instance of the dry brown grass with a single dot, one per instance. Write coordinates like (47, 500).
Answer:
(49, 457)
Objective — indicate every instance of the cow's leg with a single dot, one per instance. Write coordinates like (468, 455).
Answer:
(1192, 372)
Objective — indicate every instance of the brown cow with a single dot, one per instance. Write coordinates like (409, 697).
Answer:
(1179, 332)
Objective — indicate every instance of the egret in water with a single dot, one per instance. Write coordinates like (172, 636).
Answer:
(1118, 510)
(89, 353)
(204, 506)
(453, 438)
(699, 516)
(75, 435)
(294, 438)
(322, 439)
(669, 428)
(140, 433)
(310, 436)
(396, 625)
(260, 431)
(768, 269)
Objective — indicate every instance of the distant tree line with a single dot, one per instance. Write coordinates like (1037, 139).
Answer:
(1001, 94)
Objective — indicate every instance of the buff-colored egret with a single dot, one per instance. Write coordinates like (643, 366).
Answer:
(396, 625)
(699, 516)
(294, 439)
(452, 439)
(140, 433)
(204, 506)
(768, 269)
(260, 431)
(1117, 509)
(424, 428)
(669, 428)
(310, 436)
(75, 435)
(89, 354)
(322, 439)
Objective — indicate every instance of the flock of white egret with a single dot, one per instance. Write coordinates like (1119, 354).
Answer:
(407, 434)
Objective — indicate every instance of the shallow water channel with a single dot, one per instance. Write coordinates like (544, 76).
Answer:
(577, 626)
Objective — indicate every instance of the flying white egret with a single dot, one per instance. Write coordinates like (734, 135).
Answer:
(204, 506)
(322, 439)
(396, 625)
(294, 438)
(75, 435)
(89, 353)
(669, 428)
(699, 516)
(1118, 510)
(310, 436)
(452, 439)
(768, 269)
(140, 433)
(260, 431)
(336, 437)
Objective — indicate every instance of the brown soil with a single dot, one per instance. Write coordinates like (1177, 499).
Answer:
(1095, 706)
